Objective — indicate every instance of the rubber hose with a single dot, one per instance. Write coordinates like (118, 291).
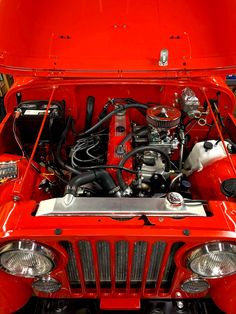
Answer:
(109, 115)
(142, 131)
(135, 151)
(89, 112)
(101, 176)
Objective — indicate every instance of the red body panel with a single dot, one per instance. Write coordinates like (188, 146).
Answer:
(21, 224)
(17, 220)
(110, 49)
(14, 293)
(117, 39)
(225, 301)
(215, 173)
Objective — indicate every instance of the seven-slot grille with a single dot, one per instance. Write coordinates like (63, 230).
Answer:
(122, 265)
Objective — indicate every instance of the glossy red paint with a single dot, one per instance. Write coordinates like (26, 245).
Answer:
(225, 301)
(33, 181)
(14, 293)
(111, 49)
(215, 173)
(117, 39)
(17, 220)
(220, 226)
(75, 92)
(115, 138)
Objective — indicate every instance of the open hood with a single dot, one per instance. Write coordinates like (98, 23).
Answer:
(110, 38)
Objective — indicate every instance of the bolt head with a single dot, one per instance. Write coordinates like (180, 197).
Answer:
(178, 295)
(16, 198)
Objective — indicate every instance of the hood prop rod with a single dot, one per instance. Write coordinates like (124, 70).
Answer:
(18, 189)
(219, 131)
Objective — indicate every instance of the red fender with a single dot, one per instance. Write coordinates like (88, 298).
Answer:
(14, 293)
(223, 294)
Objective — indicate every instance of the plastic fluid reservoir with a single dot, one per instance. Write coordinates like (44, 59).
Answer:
(204, 153)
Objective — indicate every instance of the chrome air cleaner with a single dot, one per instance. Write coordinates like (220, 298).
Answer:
(163, 117)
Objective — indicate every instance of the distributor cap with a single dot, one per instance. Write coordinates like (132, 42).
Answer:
(163, 117)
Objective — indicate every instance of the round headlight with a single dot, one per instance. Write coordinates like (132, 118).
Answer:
(213, 260)
(26, 259)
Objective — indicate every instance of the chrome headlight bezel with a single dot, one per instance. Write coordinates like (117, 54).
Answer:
(27, 246)
(207, 248)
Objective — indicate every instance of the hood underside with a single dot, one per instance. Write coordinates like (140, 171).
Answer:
(154, 38)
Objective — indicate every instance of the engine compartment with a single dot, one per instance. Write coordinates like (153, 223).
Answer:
(163, 147)
(119, 178)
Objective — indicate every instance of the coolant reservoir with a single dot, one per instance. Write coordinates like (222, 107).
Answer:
(202, 154)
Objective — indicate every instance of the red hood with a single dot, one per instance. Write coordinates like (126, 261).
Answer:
(114, 38)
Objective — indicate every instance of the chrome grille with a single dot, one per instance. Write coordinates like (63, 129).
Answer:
(139, 255)
(72, 270)
(104, 263)
(121, 249)
(158, 250)
(103, 249)
(86, 256)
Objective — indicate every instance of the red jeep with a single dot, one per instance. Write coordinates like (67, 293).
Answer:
(118, 153)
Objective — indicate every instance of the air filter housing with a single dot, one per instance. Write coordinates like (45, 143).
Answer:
(163, 117)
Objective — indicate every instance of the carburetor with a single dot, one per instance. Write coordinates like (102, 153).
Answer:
(161, 119)
(162, 122)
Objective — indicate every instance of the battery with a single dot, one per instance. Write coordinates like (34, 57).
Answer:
(32, 113)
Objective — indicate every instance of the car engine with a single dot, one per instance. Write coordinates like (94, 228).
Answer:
(128, 149)
(137, 169)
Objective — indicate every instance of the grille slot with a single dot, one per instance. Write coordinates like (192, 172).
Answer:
(158, 250)
(140, 249)
(121, 257)
(170, 266)
(100, 259)
(86, 256)
(71, 267)
(103, 250)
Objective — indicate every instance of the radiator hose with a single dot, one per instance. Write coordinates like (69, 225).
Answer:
(101, 176)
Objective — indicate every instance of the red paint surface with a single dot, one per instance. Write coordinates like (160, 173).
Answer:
(226, 301)
(115, 139)
(116, 39)
(17, 220)
(207, 183)
(110, 39)
(14, 293)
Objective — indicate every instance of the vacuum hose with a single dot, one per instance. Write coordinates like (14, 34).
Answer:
(109, 115)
